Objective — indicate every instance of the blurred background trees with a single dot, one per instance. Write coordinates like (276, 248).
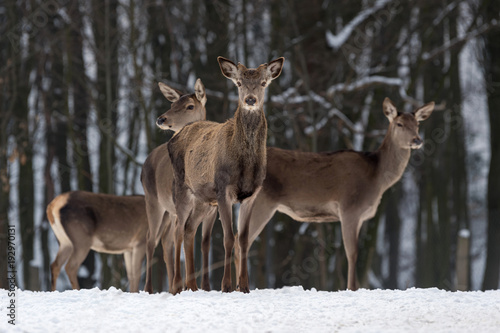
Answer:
(79, 99)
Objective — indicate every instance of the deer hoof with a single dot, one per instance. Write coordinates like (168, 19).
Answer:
(176, 287)
(191, 286)
(226, 288)
(205, 285)
(245, 290)
(175, 291)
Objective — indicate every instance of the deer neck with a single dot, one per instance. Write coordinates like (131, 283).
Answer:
(250, 127)
(392, 162)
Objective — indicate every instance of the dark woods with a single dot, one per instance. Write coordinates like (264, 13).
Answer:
(79, 100)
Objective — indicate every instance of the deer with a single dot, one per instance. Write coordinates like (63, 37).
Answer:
(114, 224)
(157, 178)
(344, 186)
(218, 164)
(102, 222)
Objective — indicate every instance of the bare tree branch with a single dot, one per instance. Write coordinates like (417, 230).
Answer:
(460, 41)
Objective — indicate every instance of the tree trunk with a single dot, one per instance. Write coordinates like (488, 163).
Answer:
(492, 68)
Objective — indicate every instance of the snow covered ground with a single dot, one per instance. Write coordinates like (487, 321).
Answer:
(290, 309)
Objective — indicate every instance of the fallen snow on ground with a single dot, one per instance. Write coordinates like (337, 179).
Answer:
(290, 309)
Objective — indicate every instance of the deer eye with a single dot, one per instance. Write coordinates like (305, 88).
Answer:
(238, 83)
(263, 83)
(190, 107)
(399, 125)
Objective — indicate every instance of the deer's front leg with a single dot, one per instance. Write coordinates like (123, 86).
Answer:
(227, 227)
(350, 230)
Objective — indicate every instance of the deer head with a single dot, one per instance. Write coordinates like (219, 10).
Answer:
(251, 82)
(403, 127)
(185, 108)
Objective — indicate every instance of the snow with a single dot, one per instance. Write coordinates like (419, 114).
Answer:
(276, 310)
(336, 41)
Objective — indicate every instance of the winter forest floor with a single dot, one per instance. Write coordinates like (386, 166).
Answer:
(290, 309)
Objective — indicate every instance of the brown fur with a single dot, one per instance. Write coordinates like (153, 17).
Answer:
(104, 223)
(221, 163)
(346, 186)
(157, 177)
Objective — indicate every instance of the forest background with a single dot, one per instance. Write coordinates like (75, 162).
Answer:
(79, 99)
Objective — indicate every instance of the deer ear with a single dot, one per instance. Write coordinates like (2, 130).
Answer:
(274, 67)
(424, 112)
(170, 93)
(390, 110)
(228, 68)
(199, 90)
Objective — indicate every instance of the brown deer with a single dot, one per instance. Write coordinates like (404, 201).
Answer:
(220, 164)
(344, 186)
(113, 224)
(104, 223)
(157, 177)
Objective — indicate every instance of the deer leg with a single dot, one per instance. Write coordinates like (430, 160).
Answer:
(176, 286)
(64, 252)
(237, 259)
(167, 242)
(199, 212)
(155, 215)
(183, 207)
(75, 261)
(257, 218)
(133, 263)
(208, 224)
(350, 231)
(127, 256)
(190, 232)
(81, 241)
(262, 211)
(243, 228)
(227, 227)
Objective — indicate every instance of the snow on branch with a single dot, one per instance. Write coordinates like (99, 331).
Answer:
(460, 40)
(363, 83)
(336, 41)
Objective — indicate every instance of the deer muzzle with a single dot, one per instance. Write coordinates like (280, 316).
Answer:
(250, 100)
(160, 120)
(416, 143)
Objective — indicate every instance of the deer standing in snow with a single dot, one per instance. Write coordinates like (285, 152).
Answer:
(344, 186)
(118, 224)
(220, 164)
(157, 177)
(102, 222)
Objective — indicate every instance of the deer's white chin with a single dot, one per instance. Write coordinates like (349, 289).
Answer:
(414, 146)
(166, 127)
(252, 108)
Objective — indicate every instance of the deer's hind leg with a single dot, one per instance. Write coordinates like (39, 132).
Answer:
(184, 205)
(64, 252)
(208, 224)
(133, 263)
(253, 218)
(167, 242)
(155, 216)
(199, 212)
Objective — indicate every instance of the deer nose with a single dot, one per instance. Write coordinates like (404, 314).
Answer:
(250, 100)
(160, 120)
(417, 141)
